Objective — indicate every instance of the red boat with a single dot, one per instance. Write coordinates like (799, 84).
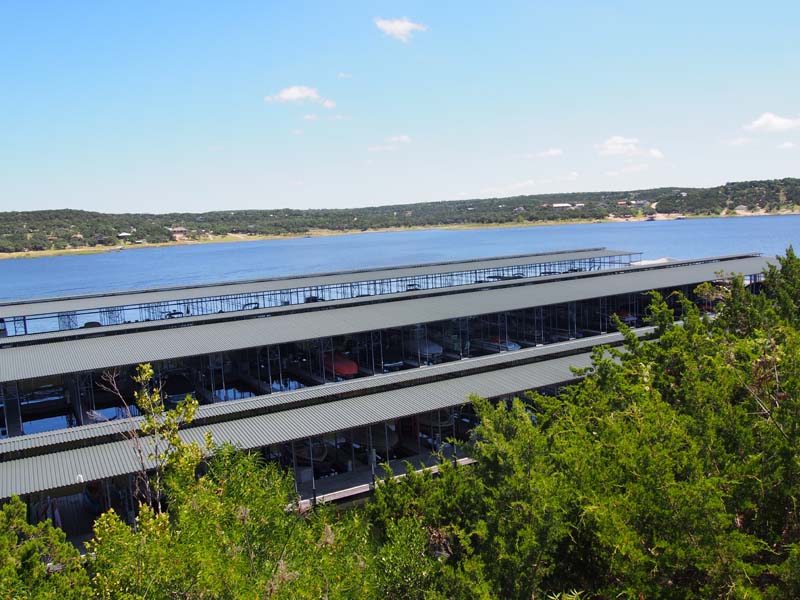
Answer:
(340, 365)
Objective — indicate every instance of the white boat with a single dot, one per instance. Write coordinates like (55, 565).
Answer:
(420, 348)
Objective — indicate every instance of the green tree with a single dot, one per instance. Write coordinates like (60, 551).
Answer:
(36, 561)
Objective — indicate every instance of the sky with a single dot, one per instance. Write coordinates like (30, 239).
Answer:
(198, 106)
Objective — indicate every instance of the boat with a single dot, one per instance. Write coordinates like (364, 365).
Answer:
(626, 317)
(340, 365)
(428, 351)
(390, 358)
(95, 416)
(420, 348)
(496, 344)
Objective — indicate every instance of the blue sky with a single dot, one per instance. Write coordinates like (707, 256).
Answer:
(195, 106)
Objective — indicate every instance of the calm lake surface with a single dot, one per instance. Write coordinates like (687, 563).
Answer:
(156, 267)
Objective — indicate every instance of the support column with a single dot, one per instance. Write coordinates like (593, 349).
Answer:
(11, 406)
(294, 470)
(371, 455)
(313, 478)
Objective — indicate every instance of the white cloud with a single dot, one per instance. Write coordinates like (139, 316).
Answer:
(297, 132)
(787, 146)
(345, 75)
(618, 145)
(739, 142)
(300, 93)
(399, 29)
(399, 139)
(340, 118)
(295, 93)
(772, 123)
(311, 117)
(548, 153)
(629, 169)
(382, 148)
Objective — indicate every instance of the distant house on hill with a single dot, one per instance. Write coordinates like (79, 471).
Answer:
(562, 205)
(178, 233)
(123, 235)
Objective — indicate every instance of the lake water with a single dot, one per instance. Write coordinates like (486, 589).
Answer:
(203, 263)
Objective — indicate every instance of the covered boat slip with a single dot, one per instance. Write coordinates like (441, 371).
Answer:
(495, 338)
(58, 314)
(359, 300)
(68, 470)
(99, 433)
(49, 358)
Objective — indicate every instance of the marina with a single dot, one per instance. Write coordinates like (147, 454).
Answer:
(327, 389)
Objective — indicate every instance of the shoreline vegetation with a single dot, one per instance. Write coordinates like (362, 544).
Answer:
(64, 232)
(243, 237)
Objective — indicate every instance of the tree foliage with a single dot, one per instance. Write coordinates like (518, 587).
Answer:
(671, 471)
(231, 533)
(36, 561)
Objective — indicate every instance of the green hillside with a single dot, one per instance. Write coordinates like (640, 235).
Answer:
(61, 229)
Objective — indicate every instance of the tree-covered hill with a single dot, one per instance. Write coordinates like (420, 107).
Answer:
(60, 229)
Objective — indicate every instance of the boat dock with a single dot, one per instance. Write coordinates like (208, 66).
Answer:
(326, 375)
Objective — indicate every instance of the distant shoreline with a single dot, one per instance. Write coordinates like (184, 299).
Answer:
(222, 239)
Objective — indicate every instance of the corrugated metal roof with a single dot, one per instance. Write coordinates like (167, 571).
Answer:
(328, 304)
(110, 430)
(61, 470)
(90, 301)
(55, 358)
(285, 310)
